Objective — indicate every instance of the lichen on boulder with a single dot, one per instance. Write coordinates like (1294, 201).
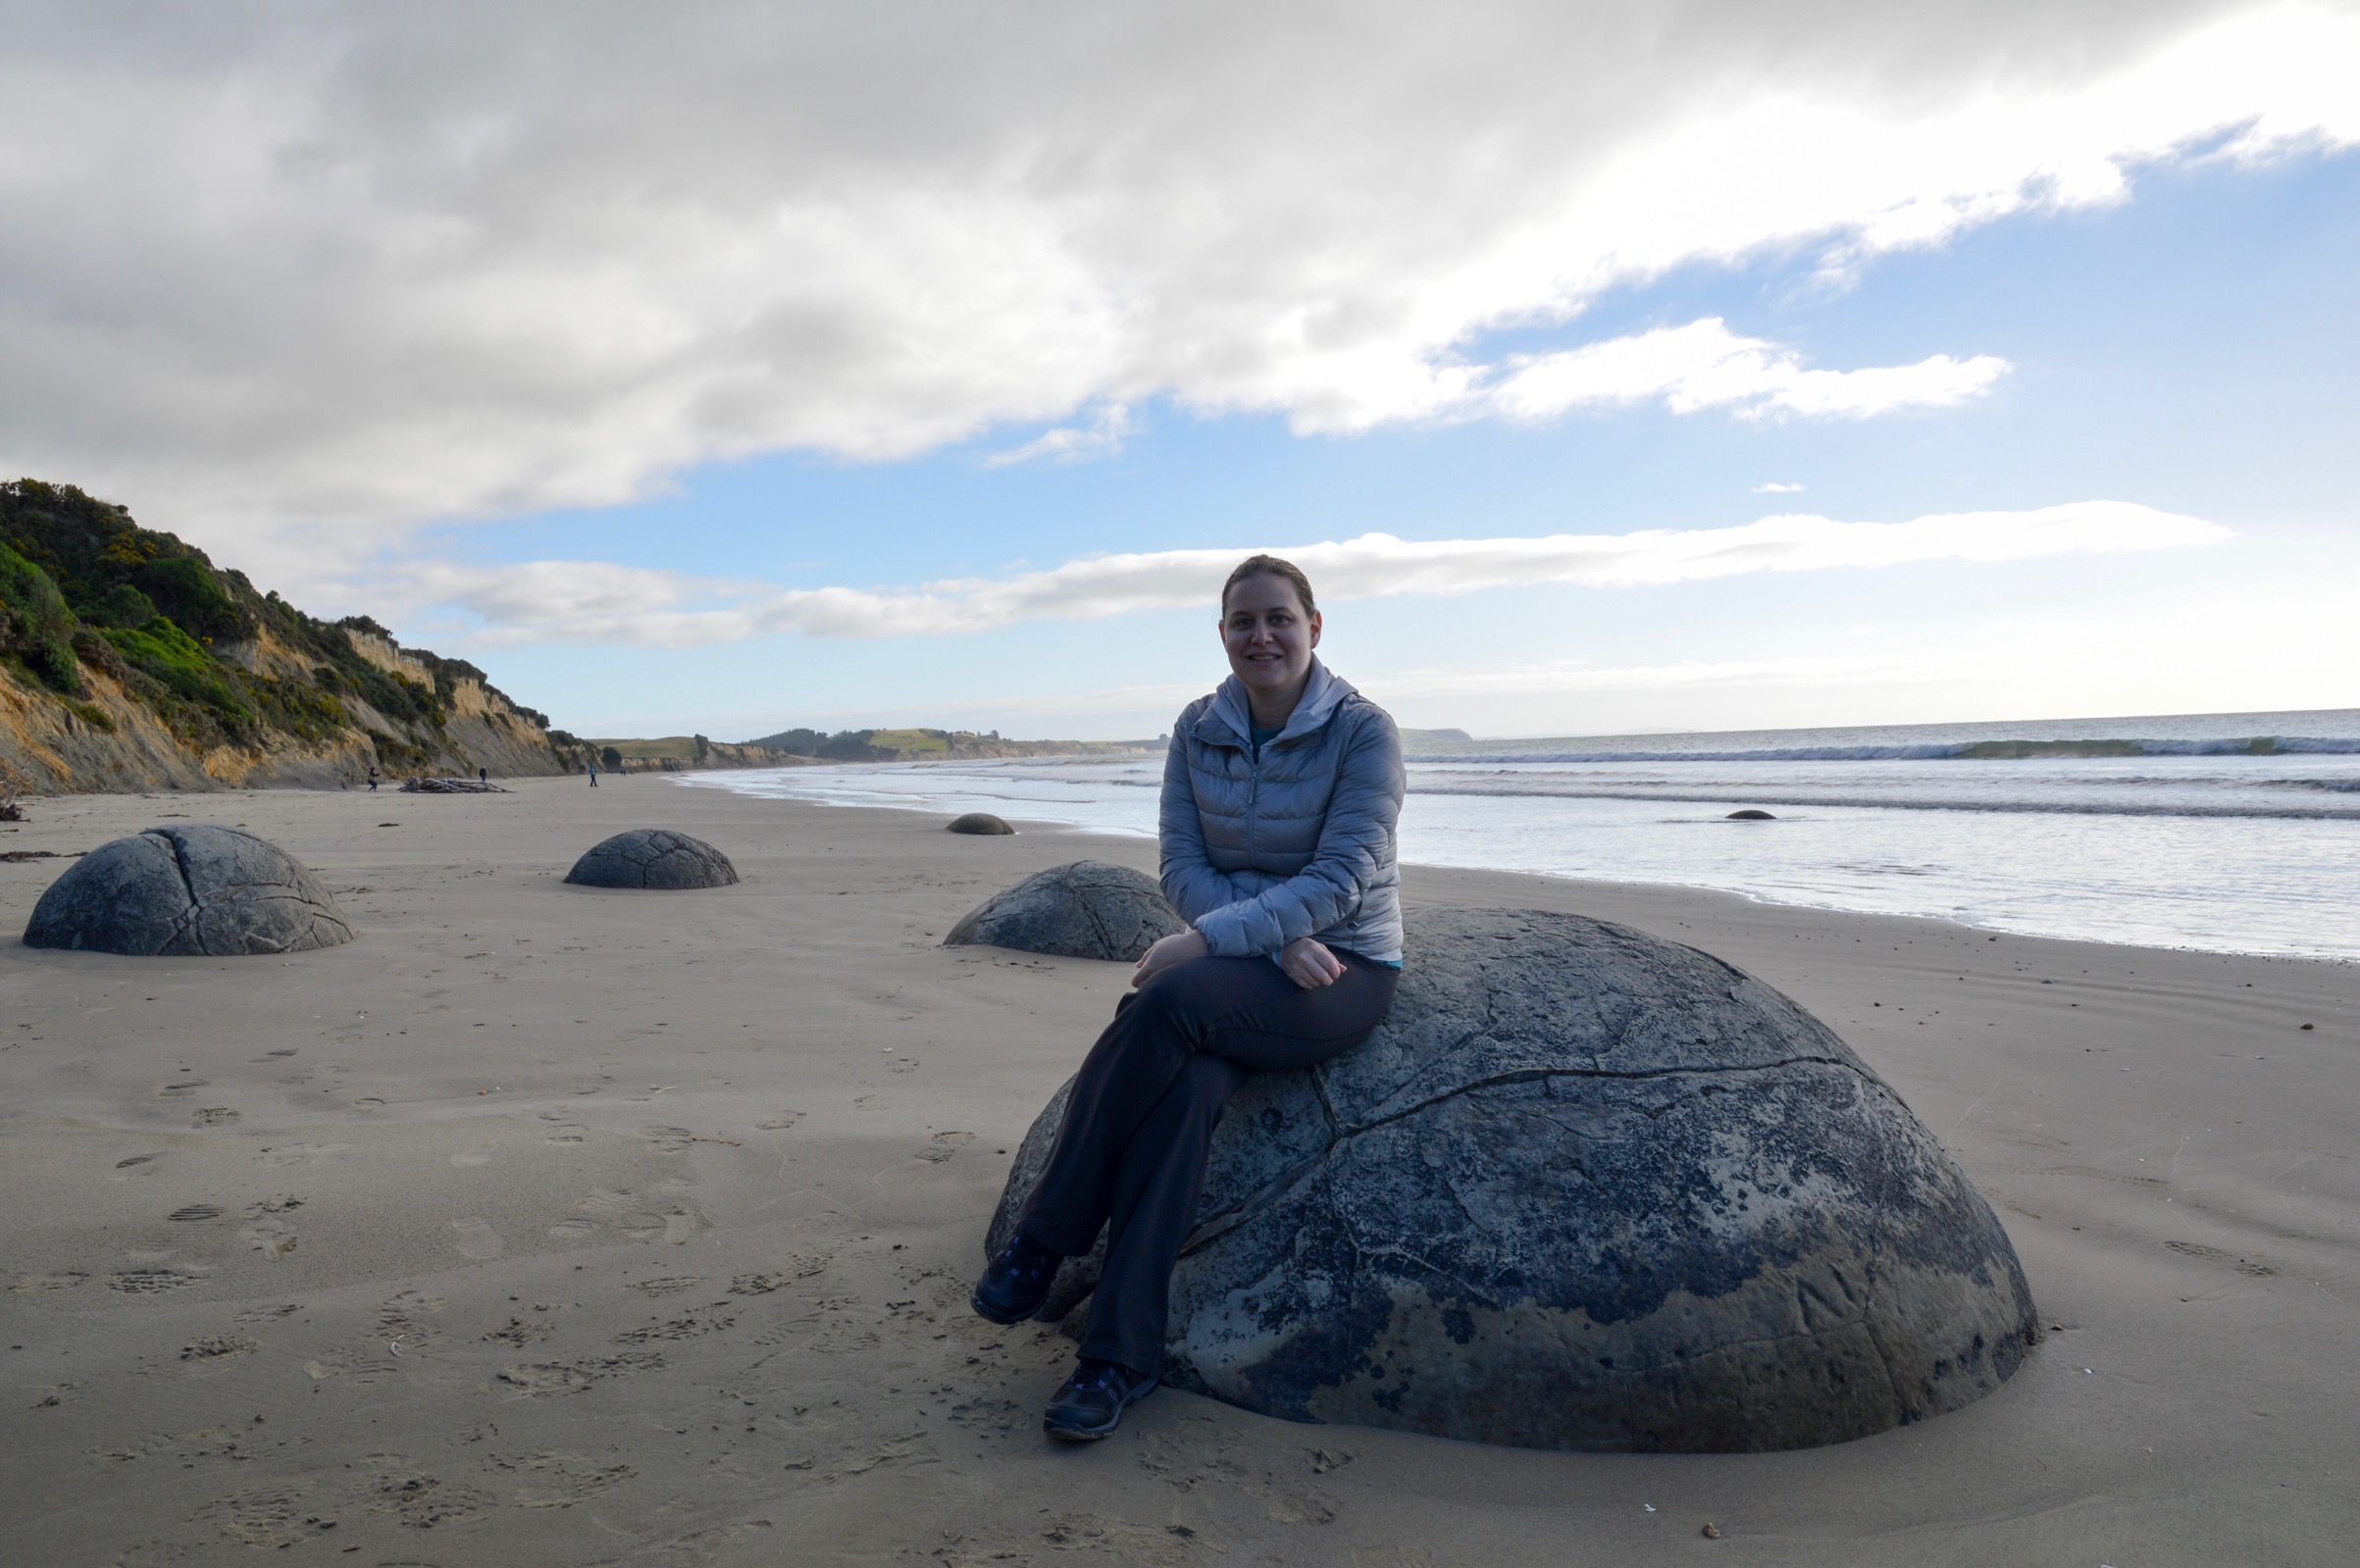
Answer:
(1583, 1189)
(653, 858)
(185, 892)
(1087, 909)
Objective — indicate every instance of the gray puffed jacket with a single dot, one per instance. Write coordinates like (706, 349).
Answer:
(1296, 843)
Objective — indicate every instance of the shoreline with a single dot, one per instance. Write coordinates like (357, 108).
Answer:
(1046, 825)
(550, 1225)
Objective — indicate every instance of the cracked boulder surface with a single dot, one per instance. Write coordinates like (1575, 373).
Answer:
(1583, 1189)
(1087, 909)
(199, 889)
(653, 857)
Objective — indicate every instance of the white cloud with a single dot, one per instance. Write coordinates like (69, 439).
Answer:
(1773, 487)
(590, 601)
(1071, 443)
(366, 264)
(1704, 365)
(1573, 677)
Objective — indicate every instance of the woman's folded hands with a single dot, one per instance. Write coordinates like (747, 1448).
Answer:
(1309, 964)
(1177, 948)
(1306, 960)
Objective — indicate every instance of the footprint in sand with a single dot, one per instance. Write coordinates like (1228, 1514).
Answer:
(560, 1480)
(690, 1327)
(297, 1154)
(267, 1518)
(270, 1238)
(480, 1154)
(213, 1116)
(477, 1240)
(542, 1377)
(565, 1132)
(218, 1348)
(946, 1144)
(152, 1280)
(65, 1279)
(139, 1166)
(664, 1213)
(778, 1122)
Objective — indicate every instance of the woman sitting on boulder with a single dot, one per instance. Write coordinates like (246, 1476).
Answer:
(1281, 793)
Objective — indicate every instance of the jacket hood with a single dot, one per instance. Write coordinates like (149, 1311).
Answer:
(1320, 698)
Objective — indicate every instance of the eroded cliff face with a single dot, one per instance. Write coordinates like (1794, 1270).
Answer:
(129, 662)
(109, 739)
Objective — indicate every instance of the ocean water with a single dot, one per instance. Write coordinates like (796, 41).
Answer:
(2235, 832)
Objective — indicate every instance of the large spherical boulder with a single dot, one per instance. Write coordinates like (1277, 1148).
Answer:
(1087, 909)
(653, 857)
(185, 892)
(1583, 1189)
(981, 822)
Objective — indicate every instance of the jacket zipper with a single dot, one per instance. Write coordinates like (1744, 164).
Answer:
(1254, 793)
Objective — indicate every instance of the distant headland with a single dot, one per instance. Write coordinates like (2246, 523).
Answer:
(791, 749)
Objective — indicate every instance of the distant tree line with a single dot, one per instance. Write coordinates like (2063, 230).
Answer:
(845, 745)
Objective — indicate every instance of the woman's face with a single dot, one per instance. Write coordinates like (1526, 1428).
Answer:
(1268, 637)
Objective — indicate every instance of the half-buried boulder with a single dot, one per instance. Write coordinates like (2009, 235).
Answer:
(1583, 1189)
(201, 890)
(980, 822)
(1087, 909)
(657, 858)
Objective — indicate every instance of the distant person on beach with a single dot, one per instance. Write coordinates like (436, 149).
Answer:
(1281, 791)
(593, 768)
(373, 777)
(483, 776)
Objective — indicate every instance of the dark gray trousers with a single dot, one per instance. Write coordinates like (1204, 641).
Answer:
(1130, 1152)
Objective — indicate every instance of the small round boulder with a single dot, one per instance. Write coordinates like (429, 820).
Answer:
(195, 891)
(1585, 1189)
(1087, 909)
(653, 858)
(1750, 814)
(980, 822)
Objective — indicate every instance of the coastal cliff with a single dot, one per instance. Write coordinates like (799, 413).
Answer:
(129, 661)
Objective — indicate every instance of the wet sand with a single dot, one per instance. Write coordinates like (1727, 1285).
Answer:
(548, 1226)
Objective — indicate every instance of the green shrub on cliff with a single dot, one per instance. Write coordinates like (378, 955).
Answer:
(35, 624)
(159, 648)
(125, 605)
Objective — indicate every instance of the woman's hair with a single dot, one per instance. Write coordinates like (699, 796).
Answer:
(1270, 566)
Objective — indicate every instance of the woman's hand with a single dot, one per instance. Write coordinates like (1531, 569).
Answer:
(1177, 948)
(1309, 964)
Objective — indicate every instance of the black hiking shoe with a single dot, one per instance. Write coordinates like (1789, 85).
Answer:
(1015, 1282)
(1091, 1405)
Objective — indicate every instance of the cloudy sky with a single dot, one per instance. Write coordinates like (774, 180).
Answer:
(1611, 365)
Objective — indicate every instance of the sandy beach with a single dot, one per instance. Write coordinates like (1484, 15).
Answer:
(548, 1226)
